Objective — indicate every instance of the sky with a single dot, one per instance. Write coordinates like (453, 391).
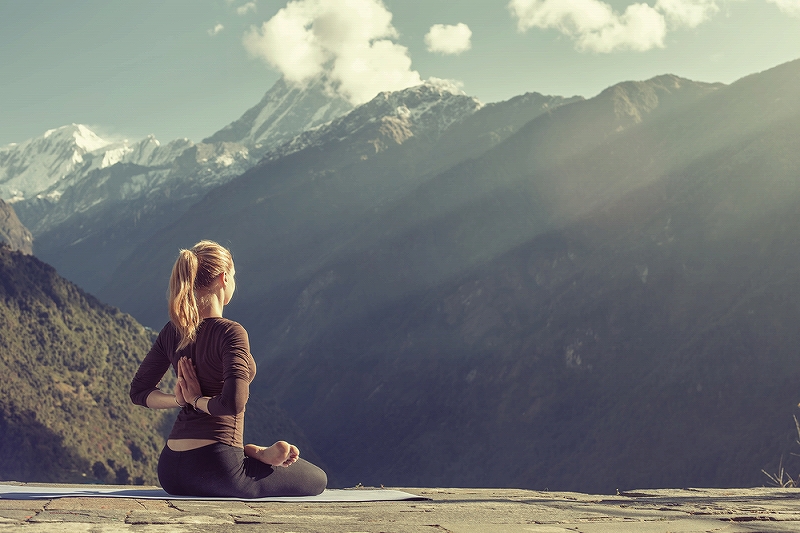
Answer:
(186, 68)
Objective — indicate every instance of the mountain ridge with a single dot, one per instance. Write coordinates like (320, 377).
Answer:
(646, 341)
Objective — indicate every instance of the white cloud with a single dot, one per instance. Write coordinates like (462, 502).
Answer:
(790, 7)
(596, 27)
(349, 40)
(689, 13)
(449, 39)
(216, 29)
(244, 9)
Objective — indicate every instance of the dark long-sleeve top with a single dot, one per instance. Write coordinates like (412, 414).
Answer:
(225, 368)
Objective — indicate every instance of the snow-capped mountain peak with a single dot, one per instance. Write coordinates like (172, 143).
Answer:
(33, 165)
(444, 86)
(285, 111)
(54, 161)
(427, 109)
(83, 138)
(148, 152)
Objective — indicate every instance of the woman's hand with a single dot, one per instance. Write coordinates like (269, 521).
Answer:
(187, 380)
(180, 398)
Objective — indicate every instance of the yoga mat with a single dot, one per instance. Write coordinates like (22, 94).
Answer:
(29, 492)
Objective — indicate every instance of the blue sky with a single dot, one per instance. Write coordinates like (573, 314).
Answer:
(185, 68)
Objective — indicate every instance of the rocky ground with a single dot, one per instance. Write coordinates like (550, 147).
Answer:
(763, 510)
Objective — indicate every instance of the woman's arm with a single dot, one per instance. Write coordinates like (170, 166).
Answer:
(151, 370)
(162, 400)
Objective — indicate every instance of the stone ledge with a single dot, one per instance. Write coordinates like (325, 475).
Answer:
(763, 510)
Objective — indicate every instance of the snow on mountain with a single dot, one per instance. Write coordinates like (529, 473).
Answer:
(424, 110)
(34, 165)
(63, 156)
(147, 153)
(285, 111)
(129, 174)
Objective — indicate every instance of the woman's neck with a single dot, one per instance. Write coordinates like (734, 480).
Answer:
(212, 310)
(212, 303)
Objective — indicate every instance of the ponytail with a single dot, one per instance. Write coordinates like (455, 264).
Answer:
(194, 271)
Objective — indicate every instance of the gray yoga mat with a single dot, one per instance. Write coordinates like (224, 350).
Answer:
(38, 492)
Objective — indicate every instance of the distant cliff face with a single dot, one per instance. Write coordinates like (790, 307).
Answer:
(12, 232)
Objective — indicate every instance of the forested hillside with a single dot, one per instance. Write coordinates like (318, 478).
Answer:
(66, 361)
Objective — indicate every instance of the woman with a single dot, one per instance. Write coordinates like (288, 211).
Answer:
(204, 454)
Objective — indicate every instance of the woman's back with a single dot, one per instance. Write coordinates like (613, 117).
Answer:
(225, 368)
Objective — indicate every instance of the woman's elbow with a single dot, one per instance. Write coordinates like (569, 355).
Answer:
(135, 394)
(223, 408)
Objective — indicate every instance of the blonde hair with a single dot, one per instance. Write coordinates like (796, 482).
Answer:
(194, 272)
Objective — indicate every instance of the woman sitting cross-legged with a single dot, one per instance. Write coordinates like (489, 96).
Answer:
(204, 454)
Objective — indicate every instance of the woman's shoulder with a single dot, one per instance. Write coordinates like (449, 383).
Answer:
(169, 330)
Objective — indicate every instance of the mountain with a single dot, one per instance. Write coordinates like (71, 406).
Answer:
(34, 165)
(285, 110)
(106, 212)
(62, 157)
(314, 196)
(605, 295)
(12, 233)
(295, 215)
(641, 335)
(80, 189)
(429, 110)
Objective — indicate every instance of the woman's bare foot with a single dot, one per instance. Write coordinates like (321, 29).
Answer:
(279, 454)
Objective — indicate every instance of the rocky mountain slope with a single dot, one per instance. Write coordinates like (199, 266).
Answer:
(12, 233)
(285, 111)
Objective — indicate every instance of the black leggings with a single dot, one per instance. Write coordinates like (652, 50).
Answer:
(224, 471)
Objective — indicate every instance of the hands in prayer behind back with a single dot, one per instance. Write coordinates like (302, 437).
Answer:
(188, 386)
